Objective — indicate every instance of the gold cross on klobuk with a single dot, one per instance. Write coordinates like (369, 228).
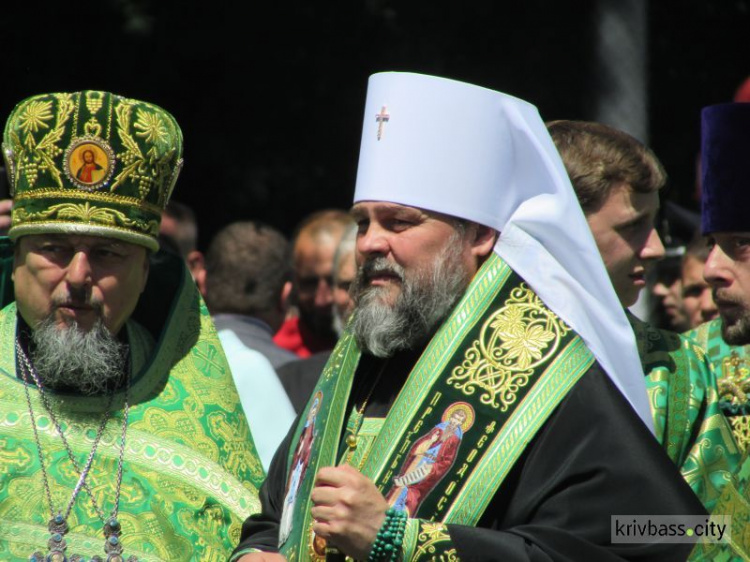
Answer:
(382, 118)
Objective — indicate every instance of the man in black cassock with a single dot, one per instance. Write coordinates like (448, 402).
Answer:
(479, 289)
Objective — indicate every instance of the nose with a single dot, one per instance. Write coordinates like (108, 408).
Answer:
(660, 290)
(653, 249)
(323, 293)
(79, 272)
(372, 241)
(715, 270)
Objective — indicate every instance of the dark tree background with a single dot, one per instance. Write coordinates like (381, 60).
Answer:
(270, 95)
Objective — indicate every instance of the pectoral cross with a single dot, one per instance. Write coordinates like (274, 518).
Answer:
(382, 119)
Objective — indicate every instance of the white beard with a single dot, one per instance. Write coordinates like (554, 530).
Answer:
(89, 362)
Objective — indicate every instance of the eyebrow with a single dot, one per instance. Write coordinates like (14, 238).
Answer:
(358, 212)
(640, 217)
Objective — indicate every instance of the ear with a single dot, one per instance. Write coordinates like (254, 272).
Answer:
(196, 263)
(286, 293)
(482, 240)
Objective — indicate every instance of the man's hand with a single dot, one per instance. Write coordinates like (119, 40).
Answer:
(348, 510)
(262, 557)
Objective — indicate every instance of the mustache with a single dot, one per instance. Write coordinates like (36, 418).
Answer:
(77, 298)
(721, 297)
(378, 266)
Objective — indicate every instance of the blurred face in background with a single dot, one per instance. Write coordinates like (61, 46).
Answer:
(696, 293)
(342, 301)
(668, 291)
(313, 280)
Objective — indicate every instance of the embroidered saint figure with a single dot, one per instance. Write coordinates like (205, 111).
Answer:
(300, 462)
(430, 458)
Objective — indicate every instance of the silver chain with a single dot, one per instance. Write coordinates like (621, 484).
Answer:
(28, 369)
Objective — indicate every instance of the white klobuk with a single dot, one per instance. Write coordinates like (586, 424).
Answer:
(481, 155)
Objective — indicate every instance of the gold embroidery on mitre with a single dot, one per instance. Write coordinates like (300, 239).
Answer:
(92, 127)
(94, 101)
(32, 156)
(34, 116)
(84, 213)
(10, 167)
(513, 342)
(145, 170)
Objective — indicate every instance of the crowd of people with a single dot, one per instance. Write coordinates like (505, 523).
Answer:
(447, 370)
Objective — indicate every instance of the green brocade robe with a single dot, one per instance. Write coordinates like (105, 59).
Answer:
(190, 471)
(684, 402)
(732, 366)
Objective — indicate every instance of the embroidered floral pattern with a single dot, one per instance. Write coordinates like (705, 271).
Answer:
(516, 340)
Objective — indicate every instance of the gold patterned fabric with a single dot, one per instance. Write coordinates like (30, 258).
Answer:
(190, 471)
(687, 419)
(733, 373)
(732, 366)
(91, 162)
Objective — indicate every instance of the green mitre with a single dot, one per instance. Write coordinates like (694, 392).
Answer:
(91, 163)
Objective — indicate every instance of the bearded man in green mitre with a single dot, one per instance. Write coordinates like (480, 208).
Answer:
(123, 433)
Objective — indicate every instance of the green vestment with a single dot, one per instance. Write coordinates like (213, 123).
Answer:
(732, 366)
(733, 373)
(687, 419)
(190, 471)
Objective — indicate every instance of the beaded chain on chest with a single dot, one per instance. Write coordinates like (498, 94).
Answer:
(58, 523)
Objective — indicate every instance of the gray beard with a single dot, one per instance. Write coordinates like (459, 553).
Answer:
(735, 320)
(738, 333)
(90, 362)
(424, 302)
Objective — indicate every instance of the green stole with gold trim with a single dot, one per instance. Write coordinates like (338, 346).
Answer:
(502, 360)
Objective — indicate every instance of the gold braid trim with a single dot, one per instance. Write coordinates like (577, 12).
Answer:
(84, 213)
(48, 193)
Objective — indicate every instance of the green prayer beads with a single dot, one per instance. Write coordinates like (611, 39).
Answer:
(390, 537)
